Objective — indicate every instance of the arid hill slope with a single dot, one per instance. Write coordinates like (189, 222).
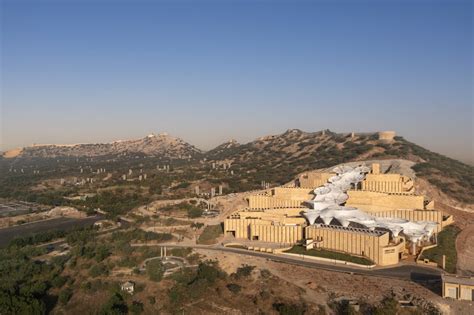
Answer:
(278, 158)
(154, 145)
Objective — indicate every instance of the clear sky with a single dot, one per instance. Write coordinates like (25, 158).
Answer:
(208, 71)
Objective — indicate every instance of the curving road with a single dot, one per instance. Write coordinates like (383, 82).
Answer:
(406, 272)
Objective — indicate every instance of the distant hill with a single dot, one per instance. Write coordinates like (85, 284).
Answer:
(154, 145)
(278, 158)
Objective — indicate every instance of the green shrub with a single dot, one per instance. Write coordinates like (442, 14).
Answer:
(65, 295)
(115, 305)
(446, 246)
(289, 309)
(195, 212)
(210, 234)
(234, 288)
(151, 300)
(59, 281)
(155, 270)
(244, 271)
(98, 270)
(136, 307)
(208, 271)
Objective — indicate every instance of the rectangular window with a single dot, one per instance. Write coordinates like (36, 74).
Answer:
(452, 293)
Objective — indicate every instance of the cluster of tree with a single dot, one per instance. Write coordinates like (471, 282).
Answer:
(116, 304)
(25, 282)
(243, 271)
(114, 202)
(193, 284)
(155, 270)
(37, 238)
(193, 210)
(140, 235)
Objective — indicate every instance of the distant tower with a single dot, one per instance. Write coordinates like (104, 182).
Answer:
(387, 136)
(220, 189)
(213, 192)
(196, 190)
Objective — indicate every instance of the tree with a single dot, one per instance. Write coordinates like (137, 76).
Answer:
(208, 271)
(114, 306)
(136, 307)
(155, 270)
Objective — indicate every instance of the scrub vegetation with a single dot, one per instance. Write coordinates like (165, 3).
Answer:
(446, 246)
(210, 234)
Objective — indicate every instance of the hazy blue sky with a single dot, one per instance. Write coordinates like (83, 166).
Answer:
(208, 71)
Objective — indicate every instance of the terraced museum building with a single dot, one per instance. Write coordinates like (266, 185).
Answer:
(356, 210)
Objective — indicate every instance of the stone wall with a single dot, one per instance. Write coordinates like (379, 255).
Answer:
(372, 245)
(293, 193)
(268, 202)
(314, 179)
(370, 201)
(388, 183)
(285, 234)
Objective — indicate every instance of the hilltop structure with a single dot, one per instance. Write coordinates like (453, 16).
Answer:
(359, 211)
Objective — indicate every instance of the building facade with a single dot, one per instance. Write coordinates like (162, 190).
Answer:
(458, 288)
(277, 216)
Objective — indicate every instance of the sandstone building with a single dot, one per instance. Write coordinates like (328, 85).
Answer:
(280, 215)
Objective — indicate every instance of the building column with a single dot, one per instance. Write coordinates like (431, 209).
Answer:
(413, 248)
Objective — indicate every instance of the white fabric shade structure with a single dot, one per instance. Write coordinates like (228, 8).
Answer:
(327, 205)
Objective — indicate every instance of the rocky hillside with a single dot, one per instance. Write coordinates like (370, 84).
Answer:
(278, 158)
(155, 145)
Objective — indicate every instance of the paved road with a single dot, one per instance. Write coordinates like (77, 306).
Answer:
(7, 234)
(406, 272)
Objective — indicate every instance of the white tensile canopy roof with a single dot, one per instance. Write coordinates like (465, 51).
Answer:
(327, 206)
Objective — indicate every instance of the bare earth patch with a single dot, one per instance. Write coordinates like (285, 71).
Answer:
(319, 285)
